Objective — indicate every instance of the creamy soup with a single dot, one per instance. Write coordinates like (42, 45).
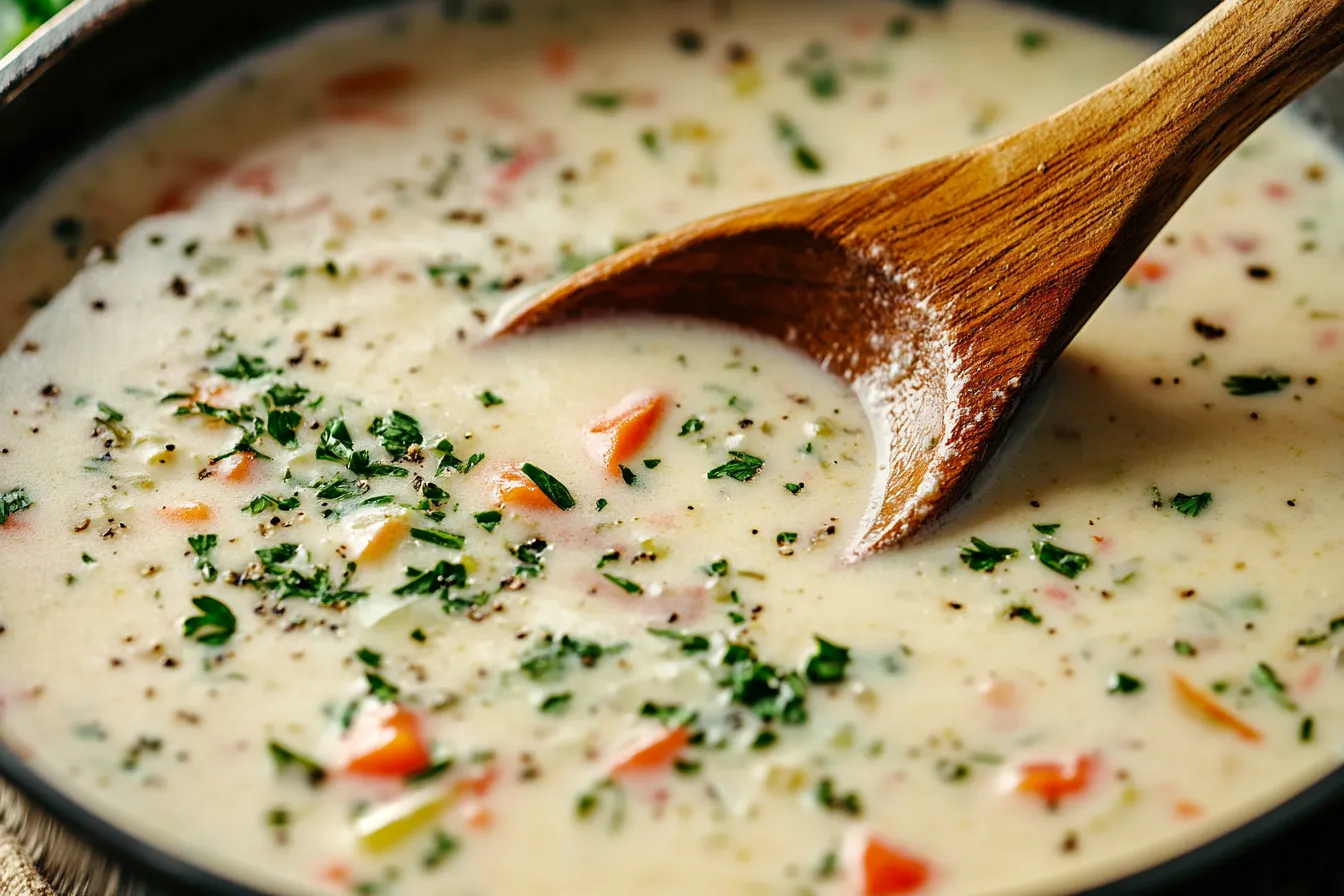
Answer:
(307, 581)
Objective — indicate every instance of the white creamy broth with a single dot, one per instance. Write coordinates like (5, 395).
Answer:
(280, 595)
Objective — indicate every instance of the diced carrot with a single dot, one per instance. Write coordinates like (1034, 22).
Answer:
(1211, 710)
(614, 437)
(478, 816)
(1052, 781)
(654, 753)
(256, 179)
(372, 540)
(1188, 810)
(374, 82)
(512, 487)
(385, 741)
(1146, 270)
(336, 873)
(479, 784)
(998, 693)
(559, 60)
(238, 467)
(1309, 679)
(186, 513)
(881, 869)
(12, 524)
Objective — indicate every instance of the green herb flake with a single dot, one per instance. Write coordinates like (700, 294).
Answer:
(13, 501)
(625, 585)
(1242, 384)
(244, 368)
(1123, 683)
(784, 538)
(651, 462)
(549, 660)
(627, 475)
(380, 688)
(1306, 732)
(982, 556)
(1032, 39)
(602, 100)
(201, 546)
(827, 663)
(794, 487)
(688, 642)
(488, 519)
(1266, 679)
(551, 487)
(601, 504)
(1191, 505)
(441, 848)
(742, 467)
(286, 759)
(1046, 528)
(1065, 562)
(262, 503)
(1025, 612)
(214, 625)
(555, 704)
(1183, 648)
(692, 425)
(832, 800)
(489, 399)
(439, 537)
(398, 433)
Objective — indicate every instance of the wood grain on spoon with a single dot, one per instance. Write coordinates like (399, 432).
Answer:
(944, 292)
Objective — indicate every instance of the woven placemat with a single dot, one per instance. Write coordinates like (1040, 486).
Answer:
(18, 875)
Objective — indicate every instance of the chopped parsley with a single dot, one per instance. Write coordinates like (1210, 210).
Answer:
(602, 100)
(771, 694)
(13, 501)
(627, 475)
(1046, 528)
(551, 487)
(1191, 505)
(982, 556)
(1242, 384)
(651, 462)
(794, 487)
(1065, 562)
(439, 537)
(262, 503)
(742, 467)
(625, 585)
(371, 658)
(1123, 683)
(555, 704)
(214, 626)
(488, 519)
(283, 426)
(694, 424)
(1266, 679)
(832, 800)
(687, 641)
(549, 660)
(244, 368)
(489, 399)
(442, 577)
(380, 688)
(601, 504)
(398, 433)
(1025, 612)
(201, 546)
(283, 581)
(441, 848)
(803, 155)
(784, 538)
(286, 759)
(1183, 648)
(451, 462)
(827, 663)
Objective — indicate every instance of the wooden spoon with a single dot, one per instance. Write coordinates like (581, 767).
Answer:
(944, 292)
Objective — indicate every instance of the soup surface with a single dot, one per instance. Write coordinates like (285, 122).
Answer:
(301, 578)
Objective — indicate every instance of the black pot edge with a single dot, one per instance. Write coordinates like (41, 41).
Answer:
(167, 873)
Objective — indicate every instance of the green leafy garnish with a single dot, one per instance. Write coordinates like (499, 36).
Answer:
(828, 798)
(688, 641)
(398, 432)
(1065, 562)
(772, 695)
(439, 537)
(441, 578)
(550, 660)
(1122, 683)
(1191, 505)
(784, 538)
(286, 396)
(742, 467)
(262, 503)
(488, 519)
(201, 546)
(489, 399)
(371, 658)
(285, 759)
(625, 585)
(627, 475)
(794, 487)
(13, 501)
(1242, 384)
(1025, 612)
(602, 100)
(651, 462)
(551, 487)
(283, 426)
(554, 704)
(244, 368)
(982, 556)
(1046, 528)
(827, 663)
(214, 626)
(441, 849)
(694, 424)
(1266, 679)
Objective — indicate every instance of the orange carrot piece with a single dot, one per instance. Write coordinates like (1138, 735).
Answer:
(1188, 810)
(479, 784)
(385, 742)
(1146, 270)
(559, 60)
(653, 754)
(613, 438)
(238, 467)
(1052, 781)
(478, 817)
(336, 873)
(881, 869)
(1213, 711)
(256, 179)
(377, 539)
(514, 488)
(186, 513)
(373, 82)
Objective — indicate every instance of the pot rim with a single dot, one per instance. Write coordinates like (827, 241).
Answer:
(44, 49)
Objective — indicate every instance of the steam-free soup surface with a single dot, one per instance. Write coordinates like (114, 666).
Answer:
(302, 579)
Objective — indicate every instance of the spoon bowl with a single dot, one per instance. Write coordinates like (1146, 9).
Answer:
(944, 292)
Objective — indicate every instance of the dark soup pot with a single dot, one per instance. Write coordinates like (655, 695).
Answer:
(102, 61)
